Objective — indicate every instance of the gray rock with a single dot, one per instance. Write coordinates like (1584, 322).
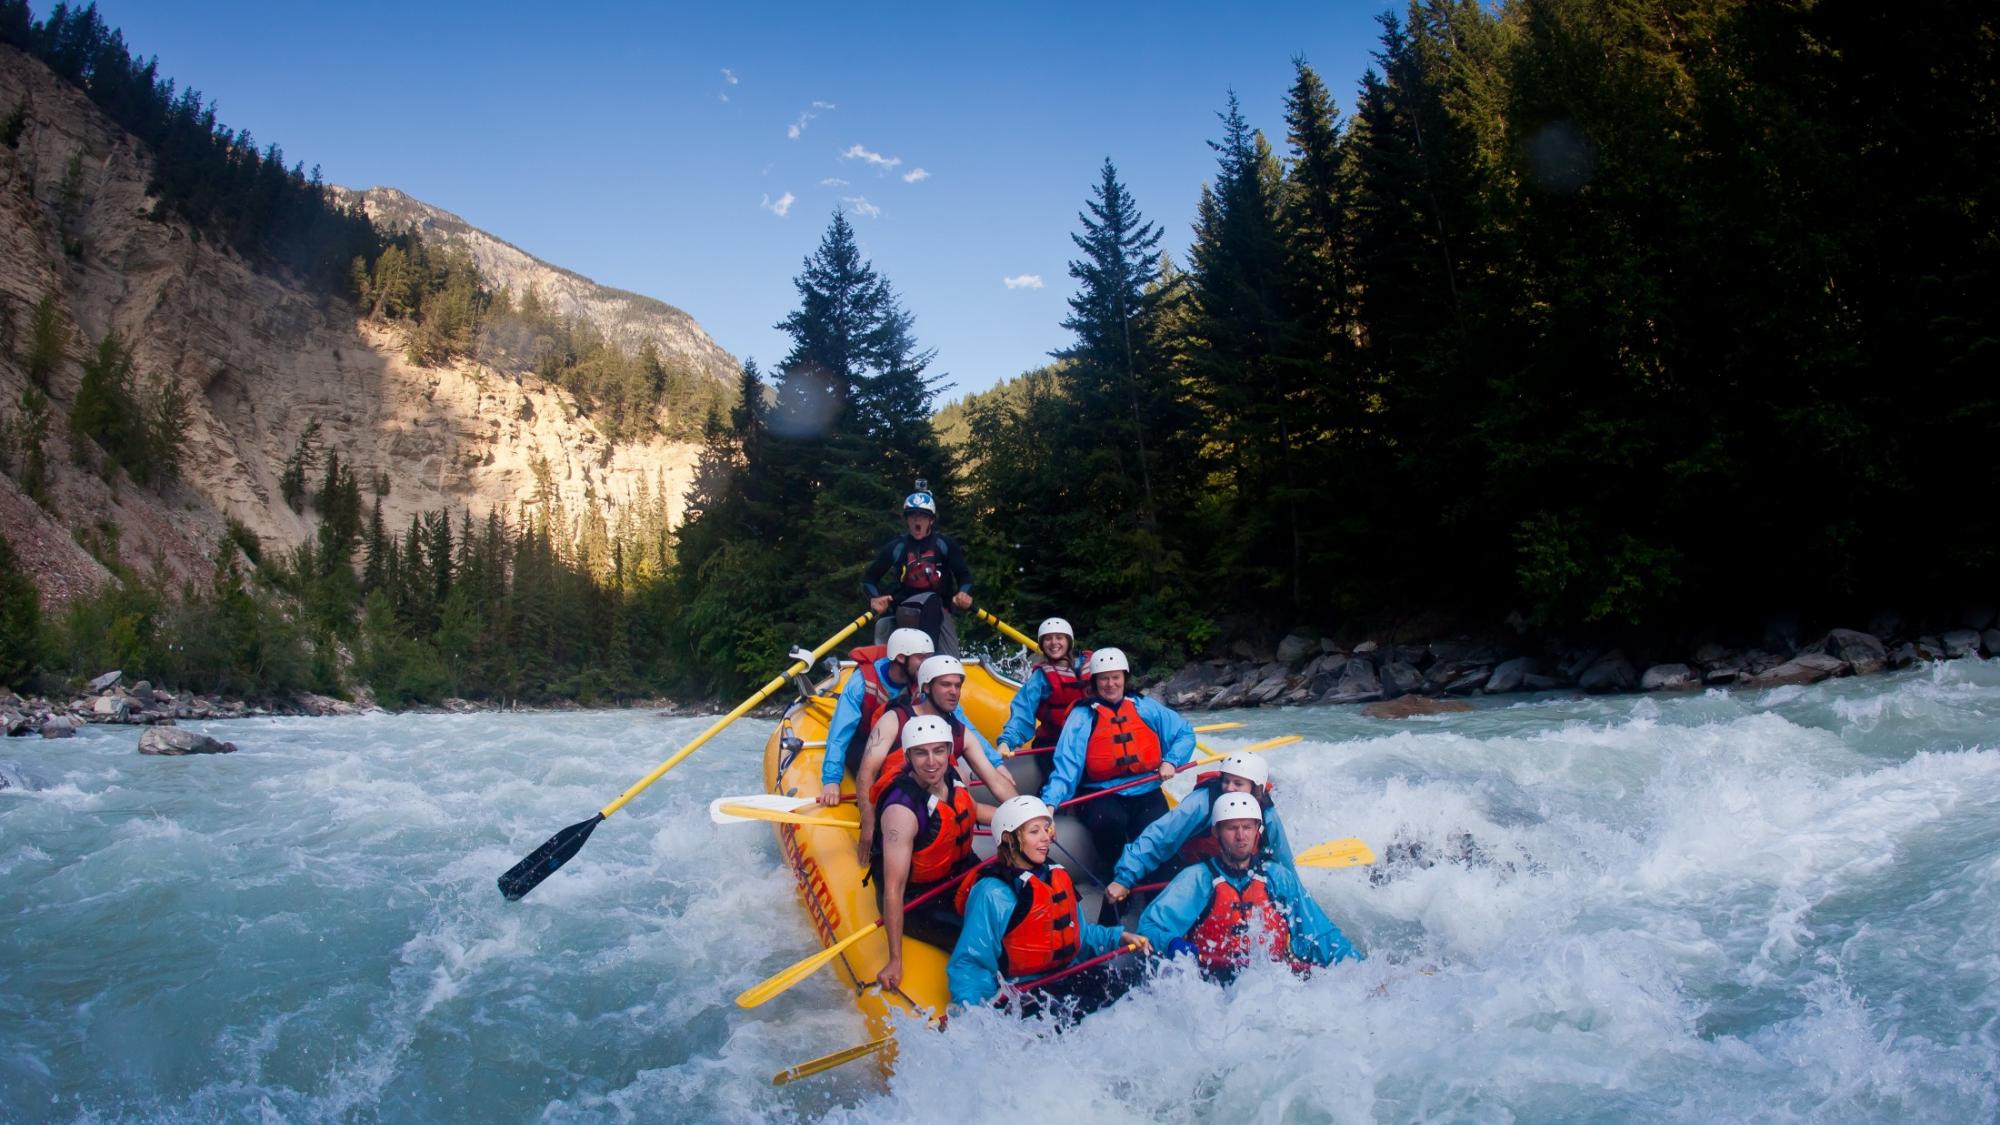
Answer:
(1929, 648)
(174, 741)
(1757, 661)
(1903, 655)
(1445, 673)
(1608, 673)
(13, 724)
(1960, 642)
(112, 708)
(1806, 668)
(1190, 685)
(1232, 696)
(59, 726)
(1358, 684)
(1722, 674)
(1270, 689)
(1327, 645)
(1365, 648)
(1536, 681)
(105, 682)
(1510, 674)
(1297, 648)
(1574, 663)
(1669, 677)
(1469, 682)
(143, 694)
(1864, 652)
(1399, 678)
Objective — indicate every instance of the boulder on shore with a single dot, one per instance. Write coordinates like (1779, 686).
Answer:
(1608, 673)
(1807, 668)
(105, 682)
(1510, 674)
(112, 708)
(1399, 678)
(1960, 643)
(1864, 652)
(1297, 647)
(1358, 684)
(59, 726)
(174, 741)
(1409, 706)
(1669, 677)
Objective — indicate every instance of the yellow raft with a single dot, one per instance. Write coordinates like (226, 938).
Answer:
(829, 872)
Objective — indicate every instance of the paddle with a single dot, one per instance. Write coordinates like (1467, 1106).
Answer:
(1209, 728)
(723, 811)
(1043, 982)
(771, 986)
(1008, 631)
(1253, 748)
(546, 860)
(1350, 852)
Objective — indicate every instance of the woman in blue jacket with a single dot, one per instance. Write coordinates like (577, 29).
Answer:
(1113, 738)
(1022, 924)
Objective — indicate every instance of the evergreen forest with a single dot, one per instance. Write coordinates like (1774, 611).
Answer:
(1627, 319)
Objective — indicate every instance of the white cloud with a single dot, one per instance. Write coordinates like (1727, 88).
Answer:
(729, 76)
(861, 206)
(798, 127)
(875, 158)
(824, 105)
(833, 181)
(1023, 281)
(724, 97)
(781, 205)
(914, 175)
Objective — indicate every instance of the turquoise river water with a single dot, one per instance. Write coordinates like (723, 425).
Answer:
(1755, 906)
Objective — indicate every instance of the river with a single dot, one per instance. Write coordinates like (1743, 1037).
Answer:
(1779, 905)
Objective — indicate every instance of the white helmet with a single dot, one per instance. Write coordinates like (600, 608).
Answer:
(1016, 811)
(1055, 625)
(910, 642)
(1249, 767)
(1235, 806)
(936, 666)
(1108, 660)
(923, 730)
(920, 501)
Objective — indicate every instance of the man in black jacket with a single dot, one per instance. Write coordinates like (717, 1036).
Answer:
(919, 578)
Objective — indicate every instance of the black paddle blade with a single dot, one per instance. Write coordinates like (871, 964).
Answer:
(528, 874)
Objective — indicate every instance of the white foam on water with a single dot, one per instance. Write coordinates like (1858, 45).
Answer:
(1779, 906)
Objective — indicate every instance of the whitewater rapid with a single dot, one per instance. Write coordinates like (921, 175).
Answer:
(1779, 905)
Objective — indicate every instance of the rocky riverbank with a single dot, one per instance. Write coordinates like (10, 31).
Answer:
(1305, 668)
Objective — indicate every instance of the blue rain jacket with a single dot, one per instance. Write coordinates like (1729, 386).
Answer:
(1020, 729)
(1314, 936)
(847, 716)
(974, 968)
(1163, 839)
(1176, 747)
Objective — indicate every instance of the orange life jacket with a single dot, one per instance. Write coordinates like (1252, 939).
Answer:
(1066, 689)
(1042, 935)
(1240, 925)
(892, 765)
(943, 846)
(1121, 744)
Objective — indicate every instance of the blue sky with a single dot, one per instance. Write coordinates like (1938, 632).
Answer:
(652, 147)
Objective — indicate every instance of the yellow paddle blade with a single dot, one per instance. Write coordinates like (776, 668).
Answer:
(1350, 852)
(750, 813)
(1211, 728)
(759, 994)
(1253, 748)
(828, 1062)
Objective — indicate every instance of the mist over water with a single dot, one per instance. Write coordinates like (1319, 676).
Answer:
(1778, 906)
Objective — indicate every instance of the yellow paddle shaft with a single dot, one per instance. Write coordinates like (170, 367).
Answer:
(742, 709)
(750, 812)
(1008, 631)
(828, 1062)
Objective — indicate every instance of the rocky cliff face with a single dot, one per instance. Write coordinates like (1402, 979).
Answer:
(625, 318)
(260, 359)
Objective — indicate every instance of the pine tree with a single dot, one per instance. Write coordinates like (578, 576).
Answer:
(20, 621)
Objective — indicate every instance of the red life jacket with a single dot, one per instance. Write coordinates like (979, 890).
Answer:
(1066, 689)
(943, 846)
(923, 564)
(1240, 925)
(875, 696)
(904, 710)
(1121, 744)
(1042, 935)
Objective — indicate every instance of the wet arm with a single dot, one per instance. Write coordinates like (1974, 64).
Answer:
(1020, 728)
(974, 968)
(1067, 766)
(1161, 839)
(840, 732)
(1314, 936)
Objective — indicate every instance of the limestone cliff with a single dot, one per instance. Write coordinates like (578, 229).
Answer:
(260, 359)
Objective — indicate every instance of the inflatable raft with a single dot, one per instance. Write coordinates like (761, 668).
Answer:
(829, 873)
